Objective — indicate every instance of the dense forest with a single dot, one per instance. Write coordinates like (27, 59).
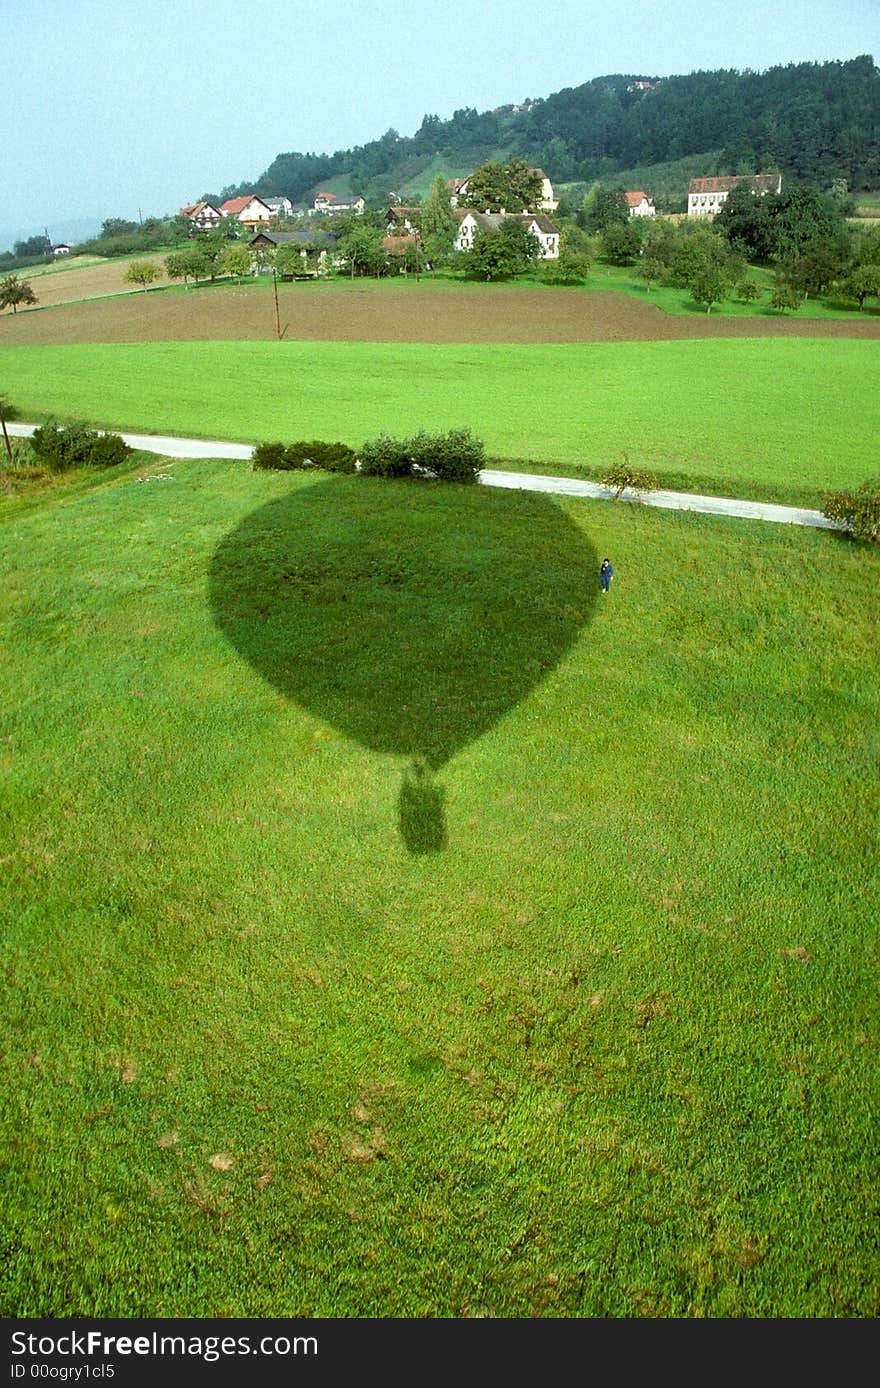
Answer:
(814, 122)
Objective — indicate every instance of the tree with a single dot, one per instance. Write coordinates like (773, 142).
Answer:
(14, 292)
(524, 183)
(34, 246)
(142, 272)
(746, 220)
(651, 270)
(621, 477)
(710, 284)
(178, 266)
(748, 291)
(437, 218)
(510, 187)
(362, 250)
(117, 226)
(784, 297)
(607, 208)
(621, 241)
(861, 284)
(207, 256)
(857, 512)
(289, 258)
(803, 217)
(705, 263)
(816, 267)
(571, 266)
(501, 253)
(237, 260)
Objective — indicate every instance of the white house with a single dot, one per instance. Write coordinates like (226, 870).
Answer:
(250, 210)
(706, 196)
(537, 224)
(279, 206)
(61, 249)
(640, 205)
(202, 215)
(328, 204)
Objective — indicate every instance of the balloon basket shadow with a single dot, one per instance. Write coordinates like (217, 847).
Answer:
(420, 813)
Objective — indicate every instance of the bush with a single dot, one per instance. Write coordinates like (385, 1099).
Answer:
(76, 445)
(108, 450)
(623, 477)
(332, 457)
(455, 456)
(857, 512)
(386, 457)
(269, 455)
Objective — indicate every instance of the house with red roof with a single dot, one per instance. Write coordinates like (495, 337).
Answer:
(706, 196)
(250, 210)
(203, 216)
(640, 205)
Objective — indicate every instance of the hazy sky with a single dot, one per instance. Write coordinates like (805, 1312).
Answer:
(115, 108)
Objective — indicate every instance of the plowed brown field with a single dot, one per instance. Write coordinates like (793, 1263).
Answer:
(409, 312)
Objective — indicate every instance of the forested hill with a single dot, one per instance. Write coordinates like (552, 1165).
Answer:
(814, 122)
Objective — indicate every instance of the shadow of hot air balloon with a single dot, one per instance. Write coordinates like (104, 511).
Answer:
(411, 616)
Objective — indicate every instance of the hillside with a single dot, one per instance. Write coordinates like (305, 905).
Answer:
(814, 122)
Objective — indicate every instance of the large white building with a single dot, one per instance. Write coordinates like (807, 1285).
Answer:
(706, 196)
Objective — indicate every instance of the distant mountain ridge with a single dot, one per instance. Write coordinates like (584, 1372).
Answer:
(814, 122)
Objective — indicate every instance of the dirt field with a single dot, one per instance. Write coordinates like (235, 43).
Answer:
(407, 312)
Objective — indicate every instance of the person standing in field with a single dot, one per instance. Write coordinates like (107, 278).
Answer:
(606, 573)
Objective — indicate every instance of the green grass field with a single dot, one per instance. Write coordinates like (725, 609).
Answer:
(394, 926)
(779, 419)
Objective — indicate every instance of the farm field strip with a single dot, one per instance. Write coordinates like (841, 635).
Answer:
(799, 415)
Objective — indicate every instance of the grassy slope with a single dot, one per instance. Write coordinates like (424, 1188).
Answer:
(611, 1053)
(750, 417)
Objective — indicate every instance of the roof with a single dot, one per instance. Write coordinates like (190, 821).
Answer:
(303, 235)
(397, 245)
(633, 199)
(491, 221)
(398, 210)
(759, 183)
(233, 206)
(198, 207)
(541, 220)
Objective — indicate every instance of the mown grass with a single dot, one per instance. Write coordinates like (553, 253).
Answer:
(395, 927)
(779, 419)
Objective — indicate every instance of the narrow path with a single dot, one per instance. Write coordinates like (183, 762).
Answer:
(519, 481)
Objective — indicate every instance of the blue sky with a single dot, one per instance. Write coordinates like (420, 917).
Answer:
(113, 108)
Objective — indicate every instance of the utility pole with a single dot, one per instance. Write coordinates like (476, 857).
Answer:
(277, 314)
(5, 435)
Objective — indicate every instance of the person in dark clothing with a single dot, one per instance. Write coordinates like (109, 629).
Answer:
(606, 573)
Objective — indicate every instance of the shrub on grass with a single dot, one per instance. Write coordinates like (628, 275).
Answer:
(284, 457)
(858, 512)
(62, 446)
(108, 450)
(386, 457)
(269, 455)
(332, 457)
(455, 456)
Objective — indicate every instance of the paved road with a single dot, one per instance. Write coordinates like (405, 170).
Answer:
(522, 481)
